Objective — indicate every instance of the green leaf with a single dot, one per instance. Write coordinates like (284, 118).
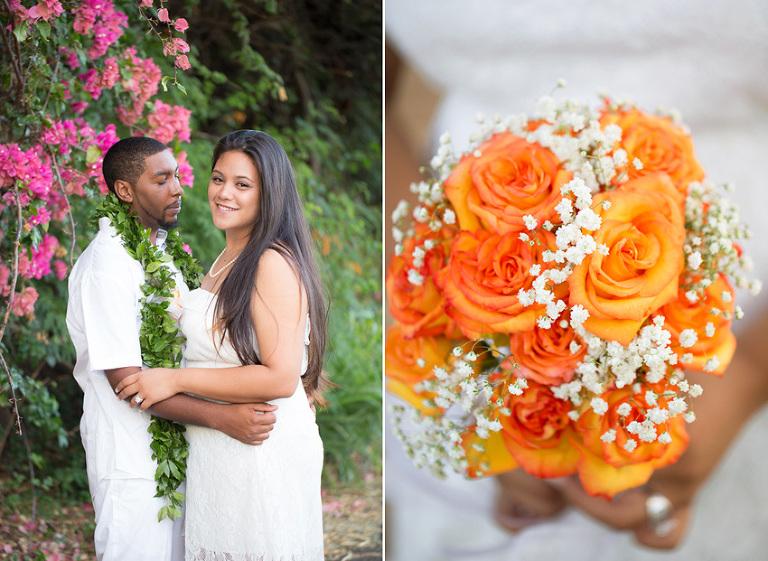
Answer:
(182, 89)
(152, 267)
(92, 155)
(21, 31)
(164, 81)
(44, 28)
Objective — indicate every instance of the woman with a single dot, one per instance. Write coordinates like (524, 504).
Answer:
(248, 340)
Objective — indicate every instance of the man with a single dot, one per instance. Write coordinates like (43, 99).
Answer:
(103, 318)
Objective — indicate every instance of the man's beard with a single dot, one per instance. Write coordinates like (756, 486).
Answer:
(159, 220)
(169, 225)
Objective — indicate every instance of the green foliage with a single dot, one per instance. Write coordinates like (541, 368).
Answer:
(159, 336)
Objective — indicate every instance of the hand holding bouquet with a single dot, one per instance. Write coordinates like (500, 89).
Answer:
(553, 284)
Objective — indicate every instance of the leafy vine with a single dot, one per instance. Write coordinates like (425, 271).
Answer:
(159, 336)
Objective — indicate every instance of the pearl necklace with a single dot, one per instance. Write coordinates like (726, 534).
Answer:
(214, 275)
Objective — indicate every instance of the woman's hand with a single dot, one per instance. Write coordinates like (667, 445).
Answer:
(523, 500)
(721, 411)
(629, 510)
(149, 386)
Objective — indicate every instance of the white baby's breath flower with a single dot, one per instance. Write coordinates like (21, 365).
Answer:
(657, 415)
(608, 436)
(445, 138)
(688, 338)
(415, 277)
(535, 270)
(565, 210)
(599, 405)
(530, 222)
(397, 234)
(664, 438)
(637, 163)
(579, 315)
(694, 260)
(620, 157)
(689, 417)
(421, 362)
(630, 445)
(458, 351)
(696, 390)
(449, 217)
(709, 329)
(523, 237)
(420, 214)
(755, 287)
(400, 212)
(418, 257)
(677, 406)
(711, 364)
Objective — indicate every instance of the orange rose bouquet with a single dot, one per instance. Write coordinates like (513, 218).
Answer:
(549, 290)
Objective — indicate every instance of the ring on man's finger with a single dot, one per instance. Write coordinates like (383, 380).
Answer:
(138, 399)
(660, 513)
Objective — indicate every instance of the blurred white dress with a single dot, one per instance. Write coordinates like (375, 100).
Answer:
(707, 59)
(250, 503)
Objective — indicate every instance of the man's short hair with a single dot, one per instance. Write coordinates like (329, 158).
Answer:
(125, 160)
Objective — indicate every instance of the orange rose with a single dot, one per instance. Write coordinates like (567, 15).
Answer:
(401, 364)
(544, 354)
(510, 179)
(419, 308)
(607, 468)
(483, 277)
(658, 144)
(683, 314)
(644, 229)
(536, 432)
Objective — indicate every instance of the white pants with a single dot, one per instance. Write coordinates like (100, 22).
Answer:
(126, 523)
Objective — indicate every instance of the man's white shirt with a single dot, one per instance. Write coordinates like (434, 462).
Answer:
(103, 318)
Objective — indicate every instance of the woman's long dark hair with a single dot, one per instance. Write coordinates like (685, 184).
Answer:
(280, 225)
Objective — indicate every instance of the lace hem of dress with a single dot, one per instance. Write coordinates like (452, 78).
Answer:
(202, 554)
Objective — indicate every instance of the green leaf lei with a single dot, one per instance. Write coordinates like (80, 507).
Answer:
(159, 336)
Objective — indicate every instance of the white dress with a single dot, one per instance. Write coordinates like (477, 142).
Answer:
(250, 503)
(705, 58)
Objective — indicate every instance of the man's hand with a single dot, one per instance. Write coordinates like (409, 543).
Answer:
(250, 423)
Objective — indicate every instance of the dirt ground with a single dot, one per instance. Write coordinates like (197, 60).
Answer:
(352, 520)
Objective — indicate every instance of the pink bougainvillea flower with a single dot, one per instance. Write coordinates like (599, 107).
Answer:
(24, 302)
(183, 62)
(162, 15)
(46, 10)
(181, 25)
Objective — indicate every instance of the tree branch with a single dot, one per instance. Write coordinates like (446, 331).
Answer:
(15, 60)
